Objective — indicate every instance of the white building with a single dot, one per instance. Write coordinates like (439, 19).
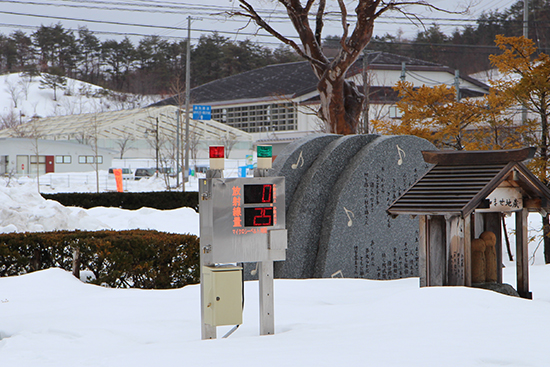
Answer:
(144, 133)
(20, 156)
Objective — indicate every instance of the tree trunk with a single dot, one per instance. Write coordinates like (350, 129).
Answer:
(546, 234)
(341, 105)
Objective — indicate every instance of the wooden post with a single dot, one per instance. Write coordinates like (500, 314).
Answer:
(456, 251)
(437, 251)
(467, 248)
(423, 260)
(493, 223)
(76, 262)
(522, 254)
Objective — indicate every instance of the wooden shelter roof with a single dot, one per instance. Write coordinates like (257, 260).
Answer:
(460, 182)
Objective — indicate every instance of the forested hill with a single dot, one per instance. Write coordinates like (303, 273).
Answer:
(468, 48)
(153, 66)
(157, 66)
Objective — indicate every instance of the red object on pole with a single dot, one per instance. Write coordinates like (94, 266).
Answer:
(217, 152)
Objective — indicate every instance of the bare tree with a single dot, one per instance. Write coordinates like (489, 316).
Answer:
(35, 133)
(341, 101)
(177, 89)
(14, 90)
(24, 83)
(124, 142)
(90, 136)
(10, 120)
(228, 141)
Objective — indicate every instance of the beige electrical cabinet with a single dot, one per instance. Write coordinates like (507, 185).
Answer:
(223, 294)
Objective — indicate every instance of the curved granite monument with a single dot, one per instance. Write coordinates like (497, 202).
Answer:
(336, 211)
(307, 207)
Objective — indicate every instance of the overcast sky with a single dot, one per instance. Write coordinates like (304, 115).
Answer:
(168, 18)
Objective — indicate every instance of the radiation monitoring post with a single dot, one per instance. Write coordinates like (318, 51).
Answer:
(241, 220)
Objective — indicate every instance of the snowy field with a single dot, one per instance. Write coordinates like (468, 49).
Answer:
(50, 318)
(23, 96)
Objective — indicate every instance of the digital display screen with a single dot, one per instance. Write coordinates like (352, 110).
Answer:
(258, 194)
(255, 217)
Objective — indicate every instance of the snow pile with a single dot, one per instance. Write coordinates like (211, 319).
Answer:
(23, 96)
(49, 318)
(24, 210)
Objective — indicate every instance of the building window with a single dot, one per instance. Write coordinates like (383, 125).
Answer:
(63, 159)
(89, 159)
(272, 117)
(41, 159)
(395, 113)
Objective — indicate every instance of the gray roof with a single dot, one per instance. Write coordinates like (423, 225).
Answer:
(288, 80)
(461, 181)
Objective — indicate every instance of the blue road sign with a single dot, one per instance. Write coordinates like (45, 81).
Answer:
(202, 112)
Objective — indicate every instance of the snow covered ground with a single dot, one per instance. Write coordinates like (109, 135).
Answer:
(22, 97)
(50, 318)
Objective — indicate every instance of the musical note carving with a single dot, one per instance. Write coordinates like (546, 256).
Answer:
(300, 158)
(402, 155)
(348, 212)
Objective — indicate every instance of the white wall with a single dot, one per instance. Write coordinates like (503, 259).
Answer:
(14, 148)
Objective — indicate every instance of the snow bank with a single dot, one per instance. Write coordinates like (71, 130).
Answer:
(23, 209)
(49, 318)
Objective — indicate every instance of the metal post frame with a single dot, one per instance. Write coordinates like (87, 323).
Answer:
(265, 277)
(267, 306)
(207, 331)
(522, 255)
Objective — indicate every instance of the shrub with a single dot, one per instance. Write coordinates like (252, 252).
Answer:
(134, 258)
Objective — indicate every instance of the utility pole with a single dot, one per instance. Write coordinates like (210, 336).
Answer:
(187, 96)
(157, 146)
(178, 113)
(526, 35)
(366, 93)
(457, 85)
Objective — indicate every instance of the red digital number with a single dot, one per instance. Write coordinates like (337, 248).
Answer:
(266, 193)
(264, 218)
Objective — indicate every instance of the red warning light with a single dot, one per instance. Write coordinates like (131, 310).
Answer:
(216, 152)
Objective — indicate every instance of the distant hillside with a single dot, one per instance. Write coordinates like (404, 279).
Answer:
(23, 96)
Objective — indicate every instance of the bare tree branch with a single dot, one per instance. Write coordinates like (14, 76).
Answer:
(252, 14)
(319, 21)
(309, 5)
(345, 25)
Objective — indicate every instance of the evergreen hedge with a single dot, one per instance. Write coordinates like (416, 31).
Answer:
(122, 259)
(163, 200)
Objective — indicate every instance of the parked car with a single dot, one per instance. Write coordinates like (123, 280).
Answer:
(127, 173)
(143, 172)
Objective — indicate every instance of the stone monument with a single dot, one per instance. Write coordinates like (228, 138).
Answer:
(337, 198)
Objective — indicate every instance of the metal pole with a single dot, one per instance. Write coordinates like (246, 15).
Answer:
(526, 18)
(526, 35)
(265, 277)
(366, 92)
(157, 146)
(178, 112)
(457, 85)
(187, 96)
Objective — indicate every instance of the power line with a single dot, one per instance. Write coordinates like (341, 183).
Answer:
(275, 15)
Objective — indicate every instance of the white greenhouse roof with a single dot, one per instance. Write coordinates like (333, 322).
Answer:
(135, 123)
